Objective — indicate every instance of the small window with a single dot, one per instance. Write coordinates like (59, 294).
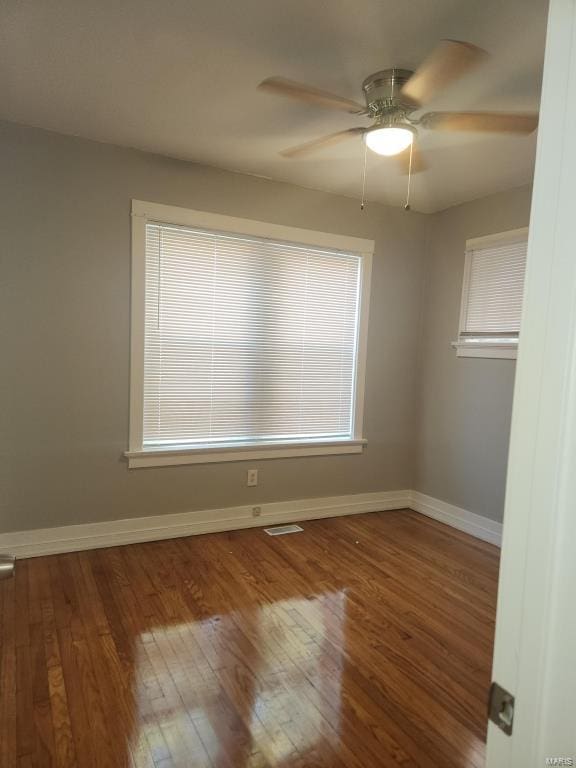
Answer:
(248, 339)
(492, 295)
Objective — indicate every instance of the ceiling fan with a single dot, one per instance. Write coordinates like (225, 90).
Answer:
(394, 95)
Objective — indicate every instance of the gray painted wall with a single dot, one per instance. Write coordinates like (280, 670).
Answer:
(465, 403)
(64, 325)
(433, 421)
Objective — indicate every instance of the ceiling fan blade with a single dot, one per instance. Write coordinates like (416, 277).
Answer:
(489, 122)
(301, 92)
(402, 160)
(324, 141)
(449, 61)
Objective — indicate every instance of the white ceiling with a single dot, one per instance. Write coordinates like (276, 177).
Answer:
(179, 78)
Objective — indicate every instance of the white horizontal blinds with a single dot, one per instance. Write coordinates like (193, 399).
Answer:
(247, 339)
(495, 284)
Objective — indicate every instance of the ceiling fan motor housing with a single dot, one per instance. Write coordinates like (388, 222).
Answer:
(383, 92)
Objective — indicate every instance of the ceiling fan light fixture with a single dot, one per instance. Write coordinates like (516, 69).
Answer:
(390, 140)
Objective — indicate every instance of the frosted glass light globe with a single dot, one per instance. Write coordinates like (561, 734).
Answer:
(388, 141)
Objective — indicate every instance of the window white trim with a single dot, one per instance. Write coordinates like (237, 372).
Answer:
(143, 212)
(510, 236)
(172, 456)
(494, 348)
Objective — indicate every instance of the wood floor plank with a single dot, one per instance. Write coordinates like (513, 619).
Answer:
(8, 691)
(291, 646)
(369, 603)
(399, 692)
(363, 641)
(63, 750)
(386, 641)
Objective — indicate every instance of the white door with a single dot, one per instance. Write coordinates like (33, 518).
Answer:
(535, 648)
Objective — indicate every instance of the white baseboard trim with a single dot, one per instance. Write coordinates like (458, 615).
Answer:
(73, 538)
(476, 525)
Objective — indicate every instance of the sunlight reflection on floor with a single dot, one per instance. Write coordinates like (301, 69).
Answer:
(258, 689)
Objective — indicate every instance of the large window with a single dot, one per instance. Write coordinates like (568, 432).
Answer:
(248, 339)
(492, 295)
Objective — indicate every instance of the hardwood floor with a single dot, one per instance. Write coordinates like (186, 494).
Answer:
(364, 641)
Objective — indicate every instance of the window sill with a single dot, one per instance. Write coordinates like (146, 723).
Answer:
(173, 456)
(494, 351)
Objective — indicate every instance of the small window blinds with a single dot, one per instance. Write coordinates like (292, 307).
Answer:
(247, 340)
(493, 290)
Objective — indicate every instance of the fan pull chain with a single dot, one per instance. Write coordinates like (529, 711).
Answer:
(364, 178)
(407, 206)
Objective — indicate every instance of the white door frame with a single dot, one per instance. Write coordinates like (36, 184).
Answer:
(535, 647)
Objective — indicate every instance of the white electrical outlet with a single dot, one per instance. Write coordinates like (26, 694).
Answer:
(252, 477)
(256, 511)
